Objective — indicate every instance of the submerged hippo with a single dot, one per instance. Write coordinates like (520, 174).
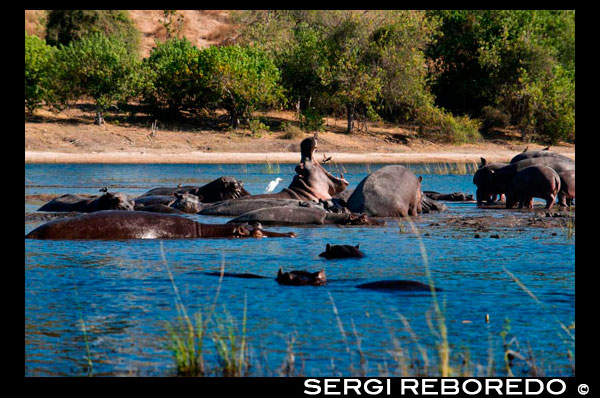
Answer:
(223, 188)
(300, 278)
(311, 182)
(82, 204)
(297, 215)
(178, 203)
(341, 251)
(534, 181)
(392, 191)
(397, 285)
(238, 207)
(112, 224)
(453, 197)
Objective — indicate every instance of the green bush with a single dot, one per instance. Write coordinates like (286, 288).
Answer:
(38, 72)
(64, 26)
(311, 120)
(240, 80)
(173, 79)
(97, 67)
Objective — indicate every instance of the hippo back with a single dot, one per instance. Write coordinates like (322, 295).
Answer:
(388, 192)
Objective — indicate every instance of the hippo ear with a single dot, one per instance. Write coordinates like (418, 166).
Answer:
(483, 162)
(357, 246)
(546, 149)
(328, 248)
(525, 150)
(280, 272)
(420, 178)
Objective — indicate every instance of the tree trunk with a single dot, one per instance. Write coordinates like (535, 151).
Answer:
(298, 108)
(235, 120)
(99, 117)
(350, 110)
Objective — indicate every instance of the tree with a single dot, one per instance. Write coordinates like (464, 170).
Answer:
(38, 72)
(64, 26)
(173, 79)
(99, 67)
(240, 79)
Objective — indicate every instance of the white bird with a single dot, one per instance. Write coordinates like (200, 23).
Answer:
(272, 185)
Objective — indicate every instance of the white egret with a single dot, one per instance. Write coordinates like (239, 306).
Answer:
(272, 185)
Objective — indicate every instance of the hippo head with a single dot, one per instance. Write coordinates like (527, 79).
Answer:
(255, 231)
(223, 188)
(187, 203)
(484, 180)
(299, 278)
(312, 181)
(362, 219)
(115, 201)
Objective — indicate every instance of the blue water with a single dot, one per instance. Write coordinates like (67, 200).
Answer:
(100, 307)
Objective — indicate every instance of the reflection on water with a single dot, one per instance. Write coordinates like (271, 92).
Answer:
(119, 291)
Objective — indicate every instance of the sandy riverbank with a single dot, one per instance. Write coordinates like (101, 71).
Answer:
(270, 157)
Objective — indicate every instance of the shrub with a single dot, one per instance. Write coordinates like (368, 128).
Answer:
(173, 79)
(99, 67)
(291, 131)
(38, 71)
(311, 120)
(240, 79)
(493, 117)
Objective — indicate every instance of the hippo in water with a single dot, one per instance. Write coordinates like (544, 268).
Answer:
(341, 251)
(311, 182)
(301, 278)
(392, 191)
(496, 180)
(223, 188)
(487, 186)
(535, 181)
(115, 225)
(236, 207)
(452, 197)
(397, 285)
(299, 215)
(82, 204)
(178, 203)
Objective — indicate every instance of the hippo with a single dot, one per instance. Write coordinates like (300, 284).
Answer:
(159, 208)
(300, 278)
(236, 207)
(187, 203)
(341, 251)
(236, 275)
(538, 154)
(311, 182)
(395, 285)
(392, 191)
(567, 188)
(453, 197)
(83, 204)
(535, 181)
(297, 215)
(487, 187)
(142, 201)
(496, 180)
(116, 225)
(223, 188)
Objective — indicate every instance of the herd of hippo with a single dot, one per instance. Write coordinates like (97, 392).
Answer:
(314, 196)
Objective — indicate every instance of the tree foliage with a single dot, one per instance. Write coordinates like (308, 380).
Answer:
(240, 79)
(64, 26)
(38, 72)
(98, 67)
